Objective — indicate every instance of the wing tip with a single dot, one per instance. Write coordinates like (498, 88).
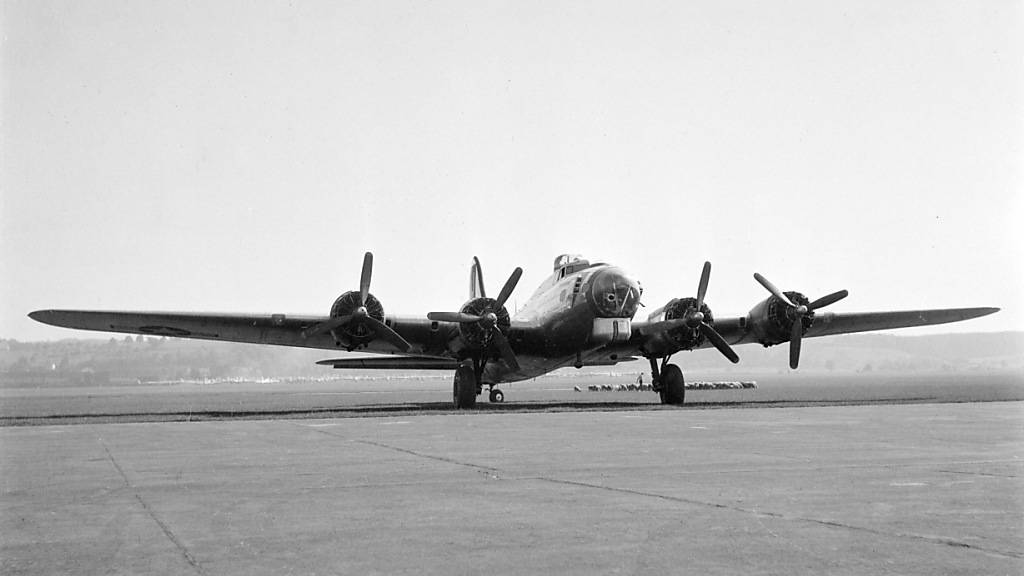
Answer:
(44, 316)
(979, 312)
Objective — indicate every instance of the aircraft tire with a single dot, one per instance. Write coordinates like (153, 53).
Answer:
(464, 387)
(673, 390)
(497, 396)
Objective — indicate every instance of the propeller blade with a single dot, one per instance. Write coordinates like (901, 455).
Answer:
(479, 291)
(329, 325)
(364, 278)
(505, 349)
(771, 288)
(718, 342)
(827, 300)
(460, 317)
(794, 343)
(702, 288)
(509, 286)
(384, 332)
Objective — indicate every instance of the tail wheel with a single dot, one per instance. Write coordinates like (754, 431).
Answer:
(464, 387)
(672, 389)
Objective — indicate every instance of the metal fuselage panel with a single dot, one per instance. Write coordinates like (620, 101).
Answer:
(557, 322)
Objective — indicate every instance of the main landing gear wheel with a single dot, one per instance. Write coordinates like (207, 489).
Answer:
(672, 389)
(497, 396)
(464, 387)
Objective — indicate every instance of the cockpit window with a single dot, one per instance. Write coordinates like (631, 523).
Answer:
(566, 259)
(570, 263)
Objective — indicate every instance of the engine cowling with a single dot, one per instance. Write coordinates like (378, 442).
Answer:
(478, 335)
(685, 337)
(357, 333)
(771, 320)
(687, 322)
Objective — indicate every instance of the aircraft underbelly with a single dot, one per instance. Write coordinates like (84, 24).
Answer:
(529, 367)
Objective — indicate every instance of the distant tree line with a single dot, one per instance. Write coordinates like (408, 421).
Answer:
(150, 358)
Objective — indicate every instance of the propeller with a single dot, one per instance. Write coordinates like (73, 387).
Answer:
(360, 315)
(798, 312)
(694, 319)
(487, 319)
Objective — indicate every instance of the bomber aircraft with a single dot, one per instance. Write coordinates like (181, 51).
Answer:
(582, 315)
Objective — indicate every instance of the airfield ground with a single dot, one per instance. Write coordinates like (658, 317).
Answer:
(23, 404)
(920, 481)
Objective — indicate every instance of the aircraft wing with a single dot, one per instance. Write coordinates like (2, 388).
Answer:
(277, 329)
(735, 332)
(831, 323)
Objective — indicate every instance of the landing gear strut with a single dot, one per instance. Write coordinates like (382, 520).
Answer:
(467, 385)
(668, 382)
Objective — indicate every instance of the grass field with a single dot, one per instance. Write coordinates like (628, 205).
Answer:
(296, 399)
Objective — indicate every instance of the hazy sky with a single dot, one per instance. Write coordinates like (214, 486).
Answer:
(241, 156)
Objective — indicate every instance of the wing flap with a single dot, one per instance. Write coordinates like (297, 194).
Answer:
(393, 363)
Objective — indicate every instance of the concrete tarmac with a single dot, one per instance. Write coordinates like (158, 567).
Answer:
(905, 489)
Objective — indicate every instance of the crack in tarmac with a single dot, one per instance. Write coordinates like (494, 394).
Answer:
(152, 514)
(988, 474)
(480, 468)
(760, 513)
(488, 469)
(893, 465)
(756, 513)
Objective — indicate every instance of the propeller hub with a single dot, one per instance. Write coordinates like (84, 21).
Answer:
(490, 319)
(693, 320)
(361, 311)
(801, 310)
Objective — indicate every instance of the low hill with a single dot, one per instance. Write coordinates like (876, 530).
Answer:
(147, 359)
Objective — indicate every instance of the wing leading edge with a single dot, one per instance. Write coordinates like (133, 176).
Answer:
(832, 323)
(738, 331)
(276, 329)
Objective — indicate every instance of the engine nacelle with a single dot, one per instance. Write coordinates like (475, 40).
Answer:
(771, 320)
(477, 335)
(667, 342)
(356, 333)
(683, 337)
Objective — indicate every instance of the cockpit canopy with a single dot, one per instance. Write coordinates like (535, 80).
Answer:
(571, 263)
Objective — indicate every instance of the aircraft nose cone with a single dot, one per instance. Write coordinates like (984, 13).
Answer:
(614, 294)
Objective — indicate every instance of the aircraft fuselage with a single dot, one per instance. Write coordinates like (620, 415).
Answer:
(580, 308)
